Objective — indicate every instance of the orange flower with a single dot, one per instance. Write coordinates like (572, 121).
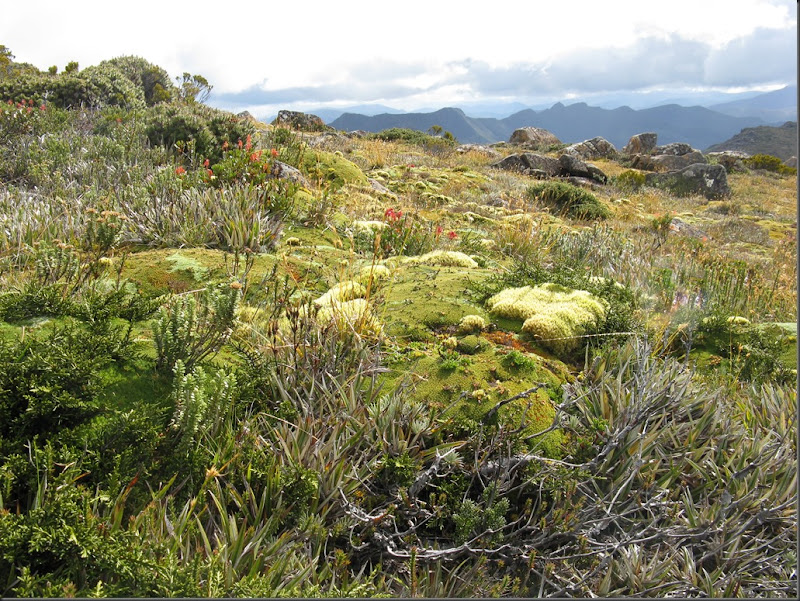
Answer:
(206, 163)
(225, 145)
(274, 152)
(180, 171)
(249, 145)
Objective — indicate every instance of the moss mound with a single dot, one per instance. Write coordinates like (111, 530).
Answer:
(554, 315)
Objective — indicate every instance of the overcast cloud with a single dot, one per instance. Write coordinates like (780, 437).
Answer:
(417, 53)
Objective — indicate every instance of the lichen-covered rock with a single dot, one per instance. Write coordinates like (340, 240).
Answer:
(556, 316)
(676, 149)
(299, 121)
(533, 137)
(570, 165)
(710, 181)
(283, 171)
(642, 143)
(732, 160)
(530, 163)
(672, 162)
(596, 148)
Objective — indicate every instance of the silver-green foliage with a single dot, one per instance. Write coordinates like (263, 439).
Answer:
(200, 400)
(194, 326)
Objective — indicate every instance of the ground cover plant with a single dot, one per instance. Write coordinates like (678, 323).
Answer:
(239, 360)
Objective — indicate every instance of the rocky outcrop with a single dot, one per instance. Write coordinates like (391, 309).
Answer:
(675, 149)
(710, 181)
(533, 137)
(672, 157)
(528, 162)
(284, 171)
(791, 162)
(671, 162)
(572, 166)
(732, 160)
(642, 143)
(299, 121)
(596, 148)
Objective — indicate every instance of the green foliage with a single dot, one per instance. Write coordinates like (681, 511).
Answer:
(481, 523)
(412, 136)
(202, 401)
(94, 87)
(630, 180)
(570, 200)
(193, 88)
(769, 163)
(49, 384)
(151, 79)
(193, 327)
(208, 129)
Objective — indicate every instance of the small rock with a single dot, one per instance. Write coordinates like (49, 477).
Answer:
(730, 159)
(596, 148)
(533, 137)
(680, 226)
(642, 143)
(528, 162)
(672, 162)
(572, 166)
(791, 162)
(284, 171)
(675, 149)
(378, 187)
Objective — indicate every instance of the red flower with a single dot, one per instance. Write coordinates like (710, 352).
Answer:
(439, 230)
(210, 173)
(240, 144)
(180, 171)
(274, 152)
(249, 145)
(452, 235)
(254, 157)
(206, 163)
(42, 108)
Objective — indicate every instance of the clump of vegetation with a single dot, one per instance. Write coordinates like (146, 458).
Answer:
(769, 163)
(557, 317)
(630, 180)
(570, 200)
(471, 324)
(447, 258)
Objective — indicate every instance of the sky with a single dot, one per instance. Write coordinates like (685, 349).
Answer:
(264, 56)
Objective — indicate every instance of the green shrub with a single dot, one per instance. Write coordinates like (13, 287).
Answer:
(192, 327)
(769, 163)
(206, 128)
(630, 180)
(151, 79)
(569, 200)
(93, 87)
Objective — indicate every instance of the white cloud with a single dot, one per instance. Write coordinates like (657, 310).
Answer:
(416, 50)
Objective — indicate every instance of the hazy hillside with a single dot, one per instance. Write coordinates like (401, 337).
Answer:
(777, 141)
(698, 126)
(772, 107)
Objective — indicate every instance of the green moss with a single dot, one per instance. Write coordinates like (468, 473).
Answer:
(554, 315)
(469, 393)
(421, 298)
(568, 199)
(470, 345)
(446, 258)
(328, 167)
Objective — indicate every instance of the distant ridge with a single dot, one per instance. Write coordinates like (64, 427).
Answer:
(780, 141)
(700, 127)
(773, 107)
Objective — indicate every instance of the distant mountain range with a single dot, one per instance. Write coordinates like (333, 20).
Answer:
(780, 141)
(698, 126)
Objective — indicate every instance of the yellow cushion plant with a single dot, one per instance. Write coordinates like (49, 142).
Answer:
(555, 315)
